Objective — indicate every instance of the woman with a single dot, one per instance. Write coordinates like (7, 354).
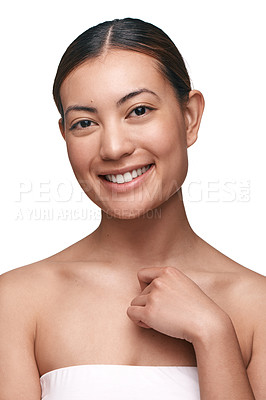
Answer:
(142, 307)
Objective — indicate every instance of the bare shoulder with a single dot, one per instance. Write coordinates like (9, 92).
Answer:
(246, 285)
(35, 281)
(238, 290)
(25, 278)
(250, 289)
(25, 286)
(38, 280)
(242, 294)
(24, 294)
(231, 278)
(241, 291)
(35, 275)
(19, 281)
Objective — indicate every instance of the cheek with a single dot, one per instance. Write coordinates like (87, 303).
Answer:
(170, 147)
(167, 139)
(80, 153)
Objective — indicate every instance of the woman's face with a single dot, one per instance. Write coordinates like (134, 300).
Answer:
(121, 115)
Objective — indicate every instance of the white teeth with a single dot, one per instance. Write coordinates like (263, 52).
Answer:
(120, 179)
(128, 176)
(134, 174)
(113, 179)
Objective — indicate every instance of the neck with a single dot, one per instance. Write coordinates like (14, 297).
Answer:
(158, 238)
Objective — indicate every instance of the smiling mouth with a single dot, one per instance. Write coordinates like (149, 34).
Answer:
(127, 176)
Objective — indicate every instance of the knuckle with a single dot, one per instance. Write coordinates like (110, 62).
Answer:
(141, 271)
(170, 271)
(157, 283)
(154, 300)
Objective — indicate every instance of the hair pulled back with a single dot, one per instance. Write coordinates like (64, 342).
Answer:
(127, 34)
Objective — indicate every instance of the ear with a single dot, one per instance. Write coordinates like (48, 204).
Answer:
(61, 127)
(193, 113)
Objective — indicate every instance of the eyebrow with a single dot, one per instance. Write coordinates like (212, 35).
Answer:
(80, 108)
(133, 94)
(119, 102)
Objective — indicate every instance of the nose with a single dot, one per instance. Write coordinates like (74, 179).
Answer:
(115, 143)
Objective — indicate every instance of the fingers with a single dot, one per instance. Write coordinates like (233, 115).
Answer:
(135, 313)
(146, 275)
(139, 300)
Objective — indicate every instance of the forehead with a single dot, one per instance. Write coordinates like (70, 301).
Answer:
(112, 75)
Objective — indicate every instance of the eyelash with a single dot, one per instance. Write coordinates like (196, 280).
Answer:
(75, 125)
(142, 106)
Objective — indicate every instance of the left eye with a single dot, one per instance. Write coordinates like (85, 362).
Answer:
(83, 124)
(140, 110)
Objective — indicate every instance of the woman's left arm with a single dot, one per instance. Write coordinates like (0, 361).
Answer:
(257, 366)
(174, 305)
(222, 373)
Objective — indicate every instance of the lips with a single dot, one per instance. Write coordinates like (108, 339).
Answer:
(121, 171)
(127, 176)
(123, 185)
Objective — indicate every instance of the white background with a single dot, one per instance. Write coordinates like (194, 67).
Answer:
(223, 44)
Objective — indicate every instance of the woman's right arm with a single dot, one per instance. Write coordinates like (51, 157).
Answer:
(19, 375)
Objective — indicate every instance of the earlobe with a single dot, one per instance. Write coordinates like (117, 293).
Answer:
(193, 114)
(61, 127)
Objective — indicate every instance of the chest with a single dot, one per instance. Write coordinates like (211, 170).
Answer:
(93, 328)
(83, 324)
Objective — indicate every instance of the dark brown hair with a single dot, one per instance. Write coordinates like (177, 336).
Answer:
(127, 34)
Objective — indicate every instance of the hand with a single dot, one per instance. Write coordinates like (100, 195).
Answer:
(172, 304)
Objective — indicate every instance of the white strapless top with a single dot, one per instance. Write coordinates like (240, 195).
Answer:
(121, 382)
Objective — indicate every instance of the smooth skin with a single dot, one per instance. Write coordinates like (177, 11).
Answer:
(143, 288)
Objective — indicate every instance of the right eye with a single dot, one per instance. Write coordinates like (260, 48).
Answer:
(85, 123)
